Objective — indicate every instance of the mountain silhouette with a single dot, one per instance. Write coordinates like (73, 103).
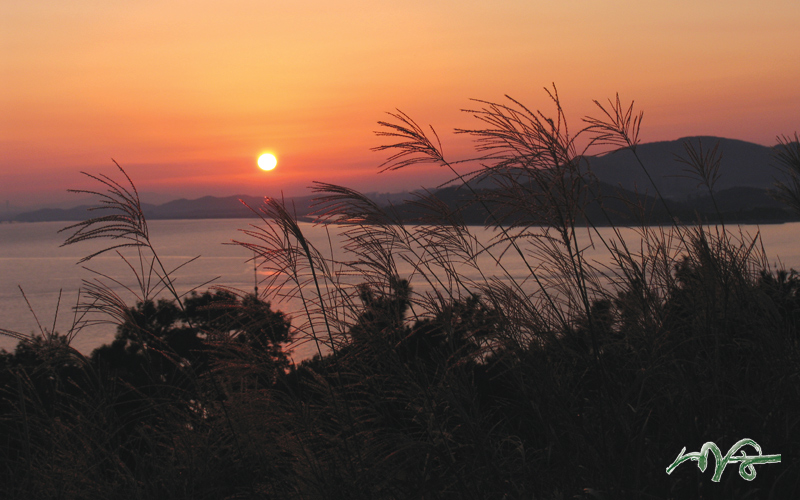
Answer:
(742, 192)
(743, 164)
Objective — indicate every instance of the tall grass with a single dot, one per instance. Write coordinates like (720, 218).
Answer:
(435, 375)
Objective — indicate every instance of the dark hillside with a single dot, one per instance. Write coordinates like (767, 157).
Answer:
(743, 164)
(612, 205)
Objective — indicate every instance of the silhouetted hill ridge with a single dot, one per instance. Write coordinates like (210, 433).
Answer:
(743, 164)
(747, 172)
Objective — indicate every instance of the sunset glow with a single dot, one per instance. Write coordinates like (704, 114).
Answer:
(182, 97)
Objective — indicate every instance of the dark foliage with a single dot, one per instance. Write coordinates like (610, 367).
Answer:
(576, 381)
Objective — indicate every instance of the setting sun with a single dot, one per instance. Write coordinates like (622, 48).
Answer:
(267, 161)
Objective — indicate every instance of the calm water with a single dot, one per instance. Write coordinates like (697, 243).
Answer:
(30, 257)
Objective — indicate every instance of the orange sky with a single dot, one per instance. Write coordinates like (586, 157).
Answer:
(187, 94)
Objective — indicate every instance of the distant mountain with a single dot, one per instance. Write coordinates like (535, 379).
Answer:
(207, 207)
(746, 174)
(741, 193)
(743, 164)
(615, 205)
(78, 213)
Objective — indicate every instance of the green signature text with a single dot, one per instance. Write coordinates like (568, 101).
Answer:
(746, 463)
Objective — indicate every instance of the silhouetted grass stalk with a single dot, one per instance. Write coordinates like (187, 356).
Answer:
(576, 379)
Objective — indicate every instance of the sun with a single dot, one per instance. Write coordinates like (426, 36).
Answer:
(267, 161)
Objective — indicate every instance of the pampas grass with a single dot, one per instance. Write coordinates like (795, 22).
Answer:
(576, 380)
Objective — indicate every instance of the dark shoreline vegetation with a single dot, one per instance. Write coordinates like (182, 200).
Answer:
(579, 381)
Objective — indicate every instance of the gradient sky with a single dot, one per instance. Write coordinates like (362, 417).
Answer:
(186, 94)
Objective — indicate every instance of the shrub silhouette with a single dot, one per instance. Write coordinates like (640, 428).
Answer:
(457, 379)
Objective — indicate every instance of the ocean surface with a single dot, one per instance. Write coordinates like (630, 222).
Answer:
(32, 260)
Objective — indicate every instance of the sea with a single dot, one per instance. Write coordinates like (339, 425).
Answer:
(40, 278)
